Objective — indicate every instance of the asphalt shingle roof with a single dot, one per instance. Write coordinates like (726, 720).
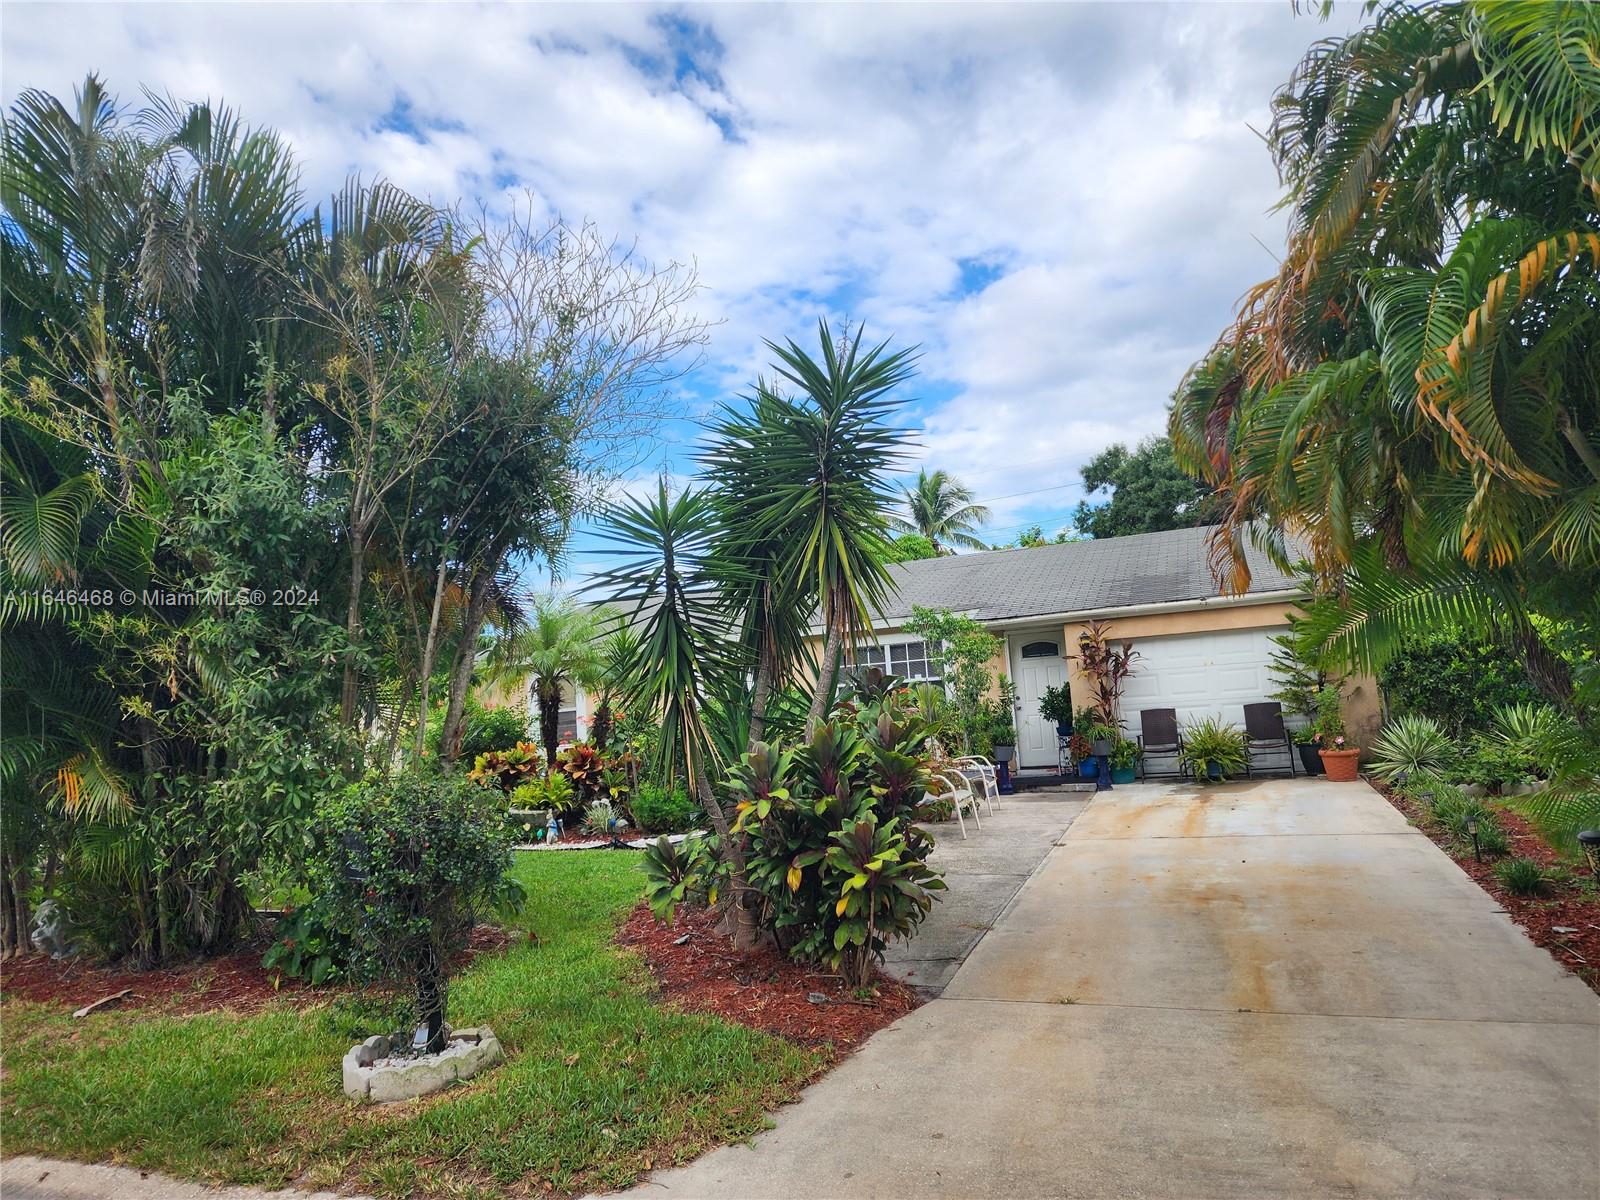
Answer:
(1000, 585)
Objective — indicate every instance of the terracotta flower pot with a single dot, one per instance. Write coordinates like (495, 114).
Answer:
(1341, 764)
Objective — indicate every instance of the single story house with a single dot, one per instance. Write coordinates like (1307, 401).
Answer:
(1200, 653)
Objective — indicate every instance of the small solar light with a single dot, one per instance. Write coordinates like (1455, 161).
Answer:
(1472, 832)
(1589, 842)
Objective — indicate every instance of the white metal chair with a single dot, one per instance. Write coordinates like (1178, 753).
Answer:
(980, 770)
(962, 796)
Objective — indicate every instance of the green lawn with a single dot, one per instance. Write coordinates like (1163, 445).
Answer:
(599, 1083)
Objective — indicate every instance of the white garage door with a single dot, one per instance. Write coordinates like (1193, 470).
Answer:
(1200, 675)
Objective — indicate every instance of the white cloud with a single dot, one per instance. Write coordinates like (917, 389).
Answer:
(1097, 159)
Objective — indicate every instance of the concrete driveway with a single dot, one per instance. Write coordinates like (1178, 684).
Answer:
(1268, 989)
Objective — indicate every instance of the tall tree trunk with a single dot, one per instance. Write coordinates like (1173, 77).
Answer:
(430, 648)
(350, 693)
(740, 919)
(759, 695)
(1547, 670)
(549, 697)
(466, 659)
(600, 727)
(826, 671)
(15, 919)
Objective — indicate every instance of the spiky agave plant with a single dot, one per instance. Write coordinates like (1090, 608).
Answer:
(1408, 746)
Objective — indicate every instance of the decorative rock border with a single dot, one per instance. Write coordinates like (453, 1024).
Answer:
(641, 843)
(371, 1075)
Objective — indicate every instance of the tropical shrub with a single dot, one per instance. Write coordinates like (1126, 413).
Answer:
(991, 726)
(1520, 876)
(547, 792)
(405, 868)
(1124, 753)
(1212, 748)
(658, 809)
(482, 729)
(1493, 764)
(830, 844)
(305, 946)
(685, 873)
(585, 767)
(1409, 745)
(960, 650)
(507, 769)
(1458, 682)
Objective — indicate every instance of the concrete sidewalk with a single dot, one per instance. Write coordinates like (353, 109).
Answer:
(982, 873)
(29, 1178)
(1269, 989)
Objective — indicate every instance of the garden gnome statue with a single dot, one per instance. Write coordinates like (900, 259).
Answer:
(50, 930)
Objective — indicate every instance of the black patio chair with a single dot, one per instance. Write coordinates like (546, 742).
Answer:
(1265, 734)
(1159, 736)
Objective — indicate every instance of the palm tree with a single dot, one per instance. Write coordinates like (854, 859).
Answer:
(558, 647)
(941, 509)
(1411, 398)
(765, 601)
(827, 463)
(666, 591)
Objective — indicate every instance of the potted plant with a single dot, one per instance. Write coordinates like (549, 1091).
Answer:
(1056, 705)
(1213, 750)
(1303, 668)
(1078, 748)
(1305, 741)
(1101, 738)
(1001, 734)
(1124, 760)
(1339, 758)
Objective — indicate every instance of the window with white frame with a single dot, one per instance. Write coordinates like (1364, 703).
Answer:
(906, 659)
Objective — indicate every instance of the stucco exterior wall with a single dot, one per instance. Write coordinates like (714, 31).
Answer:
(1362, 703)
(1363, 706)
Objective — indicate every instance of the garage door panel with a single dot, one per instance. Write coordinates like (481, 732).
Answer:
(1201, 675)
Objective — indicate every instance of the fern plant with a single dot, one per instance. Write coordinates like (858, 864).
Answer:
(1213, 749)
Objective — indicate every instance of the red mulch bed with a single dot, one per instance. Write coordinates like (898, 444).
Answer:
(1560, 904)
(764, 989)
(237, 982)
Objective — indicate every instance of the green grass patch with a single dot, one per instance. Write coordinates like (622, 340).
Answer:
(599, 1085)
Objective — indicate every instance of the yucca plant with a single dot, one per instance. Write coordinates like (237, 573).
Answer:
(1409, 745)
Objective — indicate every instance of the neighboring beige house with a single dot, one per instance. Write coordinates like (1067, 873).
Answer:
(572, 723)
(1199, 652)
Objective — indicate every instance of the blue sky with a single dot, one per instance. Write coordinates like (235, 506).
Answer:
(1060, 203)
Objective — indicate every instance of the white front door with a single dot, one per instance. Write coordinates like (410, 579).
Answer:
(1036, 664)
